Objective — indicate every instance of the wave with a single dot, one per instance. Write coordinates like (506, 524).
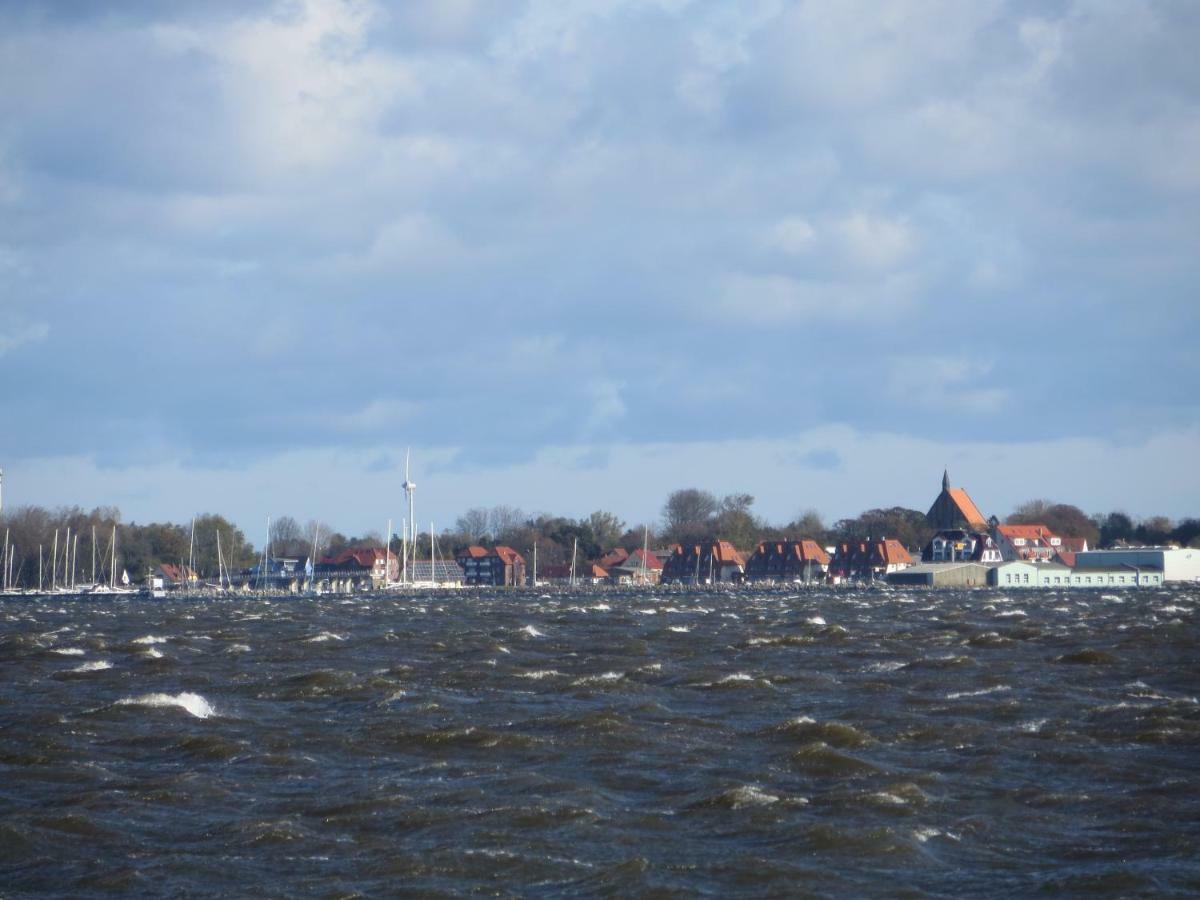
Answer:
(98, 665)
(323, 637)
(192, 703)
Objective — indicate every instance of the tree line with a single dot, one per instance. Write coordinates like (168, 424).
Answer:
(37, 538)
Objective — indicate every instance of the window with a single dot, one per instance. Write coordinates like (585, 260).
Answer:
(1007, 578)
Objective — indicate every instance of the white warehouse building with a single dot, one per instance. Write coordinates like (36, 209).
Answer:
(1175, 564)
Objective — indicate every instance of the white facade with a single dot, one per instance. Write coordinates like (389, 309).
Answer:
(1174, 564)
(1020, 573)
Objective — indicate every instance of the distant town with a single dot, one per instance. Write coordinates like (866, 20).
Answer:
(700, 540)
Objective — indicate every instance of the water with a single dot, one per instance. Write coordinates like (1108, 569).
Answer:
(828, 742)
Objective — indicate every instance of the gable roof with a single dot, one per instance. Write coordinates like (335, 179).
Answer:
(966, 506)
(508, 554)
(1028, 532)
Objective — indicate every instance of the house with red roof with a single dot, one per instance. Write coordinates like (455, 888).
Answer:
(360, 564)
(638, 567)
(1032, 542)
(868, 560)
(787, 561)
(498, 567)
(707, 563)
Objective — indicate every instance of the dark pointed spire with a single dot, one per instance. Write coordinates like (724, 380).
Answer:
(945, 479)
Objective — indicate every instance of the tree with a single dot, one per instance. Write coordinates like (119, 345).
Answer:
(807, 525)
(606, 529)
(1116, 526)
(1187, 533)
(688, 515)
(473, 524)
(908, 526)
(1155, 530)
(1062, 519)
(288, 539)
(735, 523)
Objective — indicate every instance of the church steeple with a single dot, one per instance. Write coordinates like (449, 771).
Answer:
(945, 479)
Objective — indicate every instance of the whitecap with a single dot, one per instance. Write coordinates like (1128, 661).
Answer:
(238, 648)
(323, 637)
(992, 690)
(151, 653)
(736, 676)
(192, 703)
(1012, 613)
(150, 639)
(68, 651)
(602, 678)
(749, 795)
(889, 666)
(600, 607)
(679, 629)
(532, 632)
(815, 620)
(1032, 726)
(98, 665)
(539, 674)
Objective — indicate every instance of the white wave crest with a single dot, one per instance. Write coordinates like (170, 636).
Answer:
(151, 653)
(150, 639)
(992, 690)
(539, 674)
(192, 703)
(323, 637)
(815, 620)
(68, 651)
(532, 632)
(98, 665)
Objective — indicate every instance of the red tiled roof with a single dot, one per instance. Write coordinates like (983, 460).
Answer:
(474, 551)
(1028, 532)
(508, 554)
(362, 556)
(1076, 545)
(892, 552)
(614, 557)
(966, 506)
(1066, 557)
(635, 560)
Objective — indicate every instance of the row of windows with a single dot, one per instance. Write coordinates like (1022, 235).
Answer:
(1084, 580)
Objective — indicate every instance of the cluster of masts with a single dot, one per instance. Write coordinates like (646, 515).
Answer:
(67, 580)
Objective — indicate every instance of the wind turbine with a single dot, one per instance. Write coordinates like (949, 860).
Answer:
(409, 489)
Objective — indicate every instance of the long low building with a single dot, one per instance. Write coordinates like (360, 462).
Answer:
(945, 574)
(1175, 564)
(1026, 574)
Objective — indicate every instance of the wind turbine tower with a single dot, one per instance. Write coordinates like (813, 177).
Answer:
(409, 490)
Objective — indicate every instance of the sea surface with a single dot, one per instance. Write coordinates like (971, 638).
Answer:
(825, 742)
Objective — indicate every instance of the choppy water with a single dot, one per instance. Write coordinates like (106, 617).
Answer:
(820, 743)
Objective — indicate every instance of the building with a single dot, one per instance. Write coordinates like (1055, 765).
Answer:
(1026, 574)
(868, 560)
(707, 563)
(499, 567)
(174, 576)
(360, 566)
(954, 509)
(788, 561)
(944, 574)
(1176, 564)
(638, 567)
(961, 545)
(1033, 542)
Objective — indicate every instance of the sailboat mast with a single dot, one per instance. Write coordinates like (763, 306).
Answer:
(191, 554)
(387, 555)
(112, 568)
(54, 563)
(93, 555)
(574, 551)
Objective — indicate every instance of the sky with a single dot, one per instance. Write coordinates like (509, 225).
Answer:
(577, 254)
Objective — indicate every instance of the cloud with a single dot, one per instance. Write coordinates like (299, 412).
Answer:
(585, 220)
(18, 337)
